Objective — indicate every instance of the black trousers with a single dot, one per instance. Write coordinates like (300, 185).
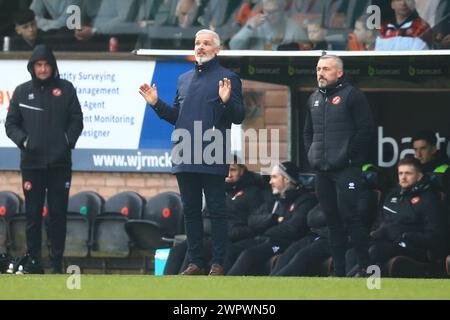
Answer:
(303, 258)
(192, 186)
(251, 256)
(381, 251)
(55, 184)
(338, 193)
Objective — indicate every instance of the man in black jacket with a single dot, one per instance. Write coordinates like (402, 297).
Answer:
(338, 131)
(411, 221)
(435, 164)
(45, 120)
(276, 227)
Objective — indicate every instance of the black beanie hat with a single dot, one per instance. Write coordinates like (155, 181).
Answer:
(290, 171)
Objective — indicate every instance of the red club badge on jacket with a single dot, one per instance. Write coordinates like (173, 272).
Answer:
(240, 193)
(336, 100)
(57, 92)
(415, 200)
(27, 185)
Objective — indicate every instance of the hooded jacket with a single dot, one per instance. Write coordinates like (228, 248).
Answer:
(339, 127)
(44, 118)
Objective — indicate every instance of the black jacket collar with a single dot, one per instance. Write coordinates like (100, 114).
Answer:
(333, 88)
(420, 186)
(207, 65)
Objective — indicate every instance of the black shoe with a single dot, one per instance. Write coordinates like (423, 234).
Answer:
(30, 266)
(14, 263)
(353, 271)
(361, 273)
(57, 270)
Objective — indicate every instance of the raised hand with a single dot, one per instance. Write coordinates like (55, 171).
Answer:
(150, 93)
(225, 89)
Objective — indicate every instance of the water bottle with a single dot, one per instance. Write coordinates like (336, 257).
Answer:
(6, 43)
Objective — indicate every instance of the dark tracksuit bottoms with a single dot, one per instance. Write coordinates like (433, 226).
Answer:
(55, 183)
(303, 258)
(338, 193)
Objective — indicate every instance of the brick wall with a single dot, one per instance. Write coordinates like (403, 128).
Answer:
(106, 184)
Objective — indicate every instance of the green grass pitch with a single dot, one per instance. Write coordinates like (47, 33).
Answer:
(216, 288)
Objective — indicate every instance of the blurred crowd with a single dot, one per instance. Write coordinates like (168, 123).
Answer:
(102, 25)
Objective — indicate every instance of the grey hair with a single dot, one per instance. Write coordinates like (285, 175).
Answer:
(339, 62)
(214, 34)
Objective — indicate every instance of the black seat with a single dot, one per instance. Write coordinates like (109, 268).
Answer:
(82, 209)
(108, 232)
(166, 209)
(162, 221)
(10, 205)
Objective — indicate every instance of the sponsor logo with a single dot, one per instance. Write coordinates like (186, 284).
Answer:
(57, 92)
(291, 209)
(415, 200)
(31, 96)
(27, 185)
(351, 186)
(336, 100)
(240, 193)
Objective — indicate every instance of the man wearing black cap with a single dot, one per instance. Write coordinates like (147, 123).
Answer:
(45, 121)
(277, 227)
(27, 33)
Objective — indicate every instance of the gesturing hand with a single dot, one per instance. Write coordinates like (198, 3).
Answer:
(150, 93)
(225, 89)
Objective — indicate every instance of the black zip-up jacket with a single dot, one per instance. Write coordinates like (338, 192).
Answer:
(339, 127)
(47, 115)
(412, 216)
(243, 199)
(293, 209)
